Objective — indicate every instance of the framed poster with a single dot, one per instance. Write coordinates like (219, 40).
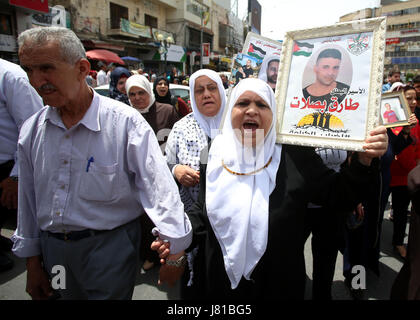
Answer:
(328, 89)
(244, 66)
(267, 54)
(395, 110)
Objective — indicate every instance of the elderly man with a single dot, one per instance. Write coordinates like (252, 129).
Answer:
(88, 166)
(18, 101)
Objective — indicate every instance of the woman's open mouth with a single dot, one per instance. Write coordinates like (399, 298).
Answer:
(250, 126)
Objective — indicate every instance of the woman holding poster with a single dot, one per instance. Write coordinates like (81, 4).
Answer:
(248, 221)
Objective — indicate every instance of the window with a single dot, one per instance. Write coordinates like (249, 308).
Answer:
(117, 12)
(150, 21)
(5, 24)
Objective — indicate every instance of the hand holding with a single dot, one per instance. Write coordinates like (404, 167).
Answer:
(9, 194)
(375, 145)
(187, 176)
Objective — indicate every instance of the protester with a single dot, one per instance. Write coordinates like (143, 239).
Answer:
(18, 101)
(327, 231)
(190, 136)
(400, 167)
(249, 219)
(88, 166)
(117, 86)
(393, 76)
(407, 282)
(163, 95)
(161, 117)
(101, 78)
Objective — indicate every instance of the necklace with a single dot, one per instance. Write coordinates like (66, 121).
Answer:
(248, 173)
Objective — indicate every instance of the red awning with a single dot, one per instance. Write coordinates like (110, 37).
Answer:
(104, 55)
(37, 5)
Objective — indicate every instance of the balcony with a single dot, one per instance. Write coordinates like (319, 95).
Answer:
(127, 28)
(168, 3)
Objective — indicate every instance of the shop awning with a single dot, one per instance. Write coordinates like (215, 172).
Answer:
(104, 55)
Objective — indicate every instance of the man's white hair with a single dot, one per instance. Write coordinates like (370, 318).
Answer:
(71, 47)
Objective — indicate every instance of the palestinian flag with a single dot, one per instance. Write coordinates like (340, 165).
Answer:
(256, 52)
(302, 49)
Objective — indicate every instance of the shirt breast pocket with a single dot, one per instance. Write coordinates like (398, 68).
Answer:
(99, 183)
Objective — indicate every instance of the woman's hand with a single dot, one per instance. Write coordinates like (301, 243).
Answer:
(375, 145)
(187, 176)
(162, 248)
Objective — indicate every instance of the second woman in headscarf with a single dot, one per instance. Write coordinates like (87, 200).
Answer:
(117, 86)
(158, 115)
(161, 117)
(163, 95)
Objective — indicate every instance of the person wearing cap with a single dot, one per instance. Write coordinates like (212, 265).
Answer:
(249, 218)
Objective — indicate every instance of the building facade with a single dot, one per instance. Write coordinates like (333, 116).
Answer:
(162, 34)
(402, 36)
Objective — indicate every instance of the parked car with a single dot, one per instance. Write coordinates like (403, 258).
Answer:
(176, 90)
(103, 90)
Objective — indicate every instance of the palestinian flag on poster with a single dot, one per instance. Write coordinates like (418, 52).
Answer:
(302, 49)
(256, 52)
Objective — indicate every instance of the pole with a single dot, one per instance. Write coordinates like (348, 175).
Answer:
(201, 42)
(166, 52)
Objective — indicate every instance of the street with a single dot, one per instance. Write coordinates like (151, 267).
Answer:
(13, 282)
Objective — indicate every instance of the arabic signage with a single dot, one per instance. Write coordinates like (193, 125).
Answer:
(56, 16)
(37, 5)
(135, 28)
(266, 53)
(328, 88)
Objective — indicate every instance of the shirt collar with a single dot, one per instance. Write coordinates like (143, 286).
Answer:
(90, 120)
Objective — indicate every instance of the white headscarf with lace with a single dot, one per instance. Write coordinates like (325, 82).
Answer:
(237, 205)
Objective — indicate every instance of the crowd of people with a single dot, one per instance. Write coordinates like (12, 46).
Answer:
(202, 190)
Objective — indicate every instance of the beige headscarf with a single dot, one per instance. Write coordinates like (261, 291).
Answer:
(140, 81)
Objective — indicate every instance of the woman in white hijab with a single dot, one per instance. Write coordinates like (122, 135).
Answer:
(248, 221)
(161, 117)
(191, 134)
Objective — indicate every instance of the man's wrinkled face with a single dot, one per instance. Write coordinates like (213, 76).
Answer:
(56, 81)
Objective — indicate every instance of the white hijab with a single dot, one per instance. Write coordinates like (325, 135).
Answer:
(208, 124)
(237, 206)
(140, 81)
(264, 66)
